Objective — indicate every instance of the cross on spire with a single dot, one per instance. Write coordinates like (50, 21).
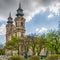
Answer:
(10, 18)
(19, 11)
(10, 14)
(20, 5)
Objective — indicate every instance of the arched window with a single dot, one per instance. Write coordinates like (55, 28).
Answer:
(18, 34)
(16, 24)
(21, 23)
(22, 35)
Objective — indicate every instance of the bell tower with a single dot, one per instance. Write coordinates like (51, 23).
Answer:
(20, 22)
(9, 28)
(20, 28)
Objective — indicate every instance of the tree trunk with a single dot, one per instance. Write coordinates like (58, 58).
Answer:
(18, 51)
(12, 52)
(33, 50)
(38, 53)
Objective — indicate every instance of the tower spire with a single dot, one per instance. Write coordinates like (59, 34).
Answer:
(20, 5)
(10, 18)
(19, 11)
(10, 14)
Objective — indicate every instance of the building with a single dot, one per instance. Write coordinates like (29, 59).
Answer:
(17, 29)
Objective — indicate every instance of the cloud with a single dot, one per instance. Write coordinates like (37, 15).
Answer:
(30, 7)
(50, 16)
(32, 14)
(2, 29)
(2, 39)
(41, 30)
(2, 18)
(55, 8)
(37, 29)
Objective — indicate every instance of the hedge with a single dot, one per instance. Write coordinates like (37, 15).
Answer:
(34, 58)
(53, 57)
(16, 58)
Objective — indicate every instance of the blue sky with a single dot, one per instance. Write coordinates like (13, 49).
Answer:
(41, 20)
(41, 16)
(38, 22)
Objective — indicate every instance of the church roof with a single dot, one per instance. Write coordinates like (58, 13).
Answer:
(20, 11)
(10, 18)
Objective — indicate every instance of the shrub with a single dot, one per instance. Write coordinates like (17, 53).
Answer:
(16, 58)
(53, 57)
(34, 58)
(2, 52)
(58, 56)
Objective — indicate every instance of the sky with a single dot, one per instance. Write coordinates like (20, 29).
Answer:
(41, 15)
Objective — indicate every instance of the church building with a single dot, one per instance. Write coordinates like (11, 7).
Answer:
(17, 29)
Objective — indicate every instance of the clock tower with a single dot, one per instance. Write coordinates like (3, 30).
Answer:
(9, 28)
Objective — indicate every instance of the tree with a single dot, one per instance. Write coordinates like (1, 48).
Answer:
(53, 42)
(27, 44)
(16, 41)
(2, 51)
(10, 46)
(33, 43)
(40, 43)
(13, 44)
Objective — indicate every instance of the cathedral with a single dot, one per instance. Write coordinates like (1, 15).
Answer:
(17, 29)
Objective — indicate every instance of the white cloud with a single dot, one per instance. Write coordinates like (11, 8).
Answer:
(2, 29)
(30, 7)
(55, 8)
(2, 18)
(41, 30)
(50, 16)
(37, 29)
(30, 14)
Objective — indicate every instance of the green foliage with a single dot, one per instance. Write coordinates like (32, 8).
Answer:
(2, 52)
(53, 57)
(13, 44)
(32, 43)
(9, 45)
(40, 43)
(34, 58)
(50, 41)
(16, 58)
(53, 42)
